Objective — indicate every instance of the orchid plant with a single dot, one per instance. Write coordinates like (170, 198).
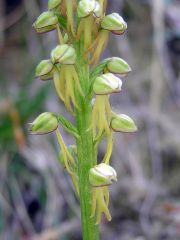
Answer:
(84, 85)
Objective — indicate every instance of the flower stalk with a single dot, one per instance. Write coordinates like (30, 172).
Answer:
(84, 86)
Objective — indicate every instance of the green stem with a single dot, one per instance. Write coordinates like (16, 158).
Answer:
(87, 155)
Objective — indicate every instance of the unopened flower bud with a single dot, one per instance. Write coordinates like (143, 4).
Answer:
(122, 123)
(102, 175)
(114, 23)
(52, 4)
(44, 69)
(118, 65)
(64, 54)
(85, 8)
(106, 84)
(46, 22)
(44, 123)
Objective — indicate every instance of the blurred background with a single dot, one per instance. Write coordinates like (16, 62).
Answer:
(36, 197)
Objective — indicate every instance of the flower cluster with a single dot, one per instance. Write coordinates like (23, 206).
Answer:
(84, 22)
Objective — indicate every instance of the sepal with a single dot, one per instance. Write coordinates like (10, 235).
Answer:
(114, 23)
(46, 22)
(64, 54)
(86, 7)
(44, 123)
(122, 123)
(107, 84)
(118, 66)
(44, 69)
(102, 175)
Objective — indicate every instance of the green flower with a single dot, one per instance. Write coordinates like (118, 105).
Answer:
(102, 175)
(64, 54)
(122, 123)
(86, 7)
(44, 70)
(46, 22)
(118, 66)
(106, 84)
(44, 123)
(114, 23)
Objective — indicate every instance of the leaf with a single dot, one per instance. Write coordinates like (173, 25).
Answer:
(62, 20)
(98, 69)
(67, 125)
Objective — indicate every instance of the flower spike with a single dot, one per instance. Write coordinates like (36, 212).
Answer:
(83, 30)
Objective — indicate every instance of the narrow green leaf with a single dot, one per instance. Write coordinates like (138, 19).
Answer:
(62, 20)
(67, 125)
(98, 69)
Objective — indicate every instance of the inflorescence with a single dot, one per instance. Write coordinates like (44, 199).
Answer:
(84, 21)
